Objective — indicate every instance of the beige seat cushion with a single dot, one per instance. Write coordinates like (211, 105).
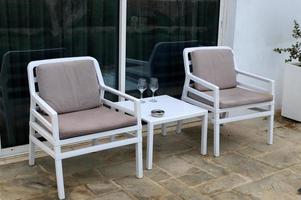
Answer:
(235, 97)
(215, 66)
(92, 121)
(69, 86)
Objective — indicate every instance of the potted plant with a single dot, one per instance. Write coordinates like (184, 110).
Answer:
(291, 99)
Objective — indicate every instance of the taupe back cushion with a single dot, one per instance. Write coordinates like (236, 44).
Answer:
(69, 86)
(215, 66)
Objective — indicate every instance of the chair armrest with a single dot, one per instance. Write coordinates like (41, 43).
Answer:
(118, 93)
(206, 84)
(44, 106)
(54, 124)
(260, 78)
(136, 62)
(255, 76)
(137, 107)
(202, 82)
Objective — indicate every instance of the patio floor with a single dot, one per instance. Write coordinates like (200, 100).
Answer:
(247, 169)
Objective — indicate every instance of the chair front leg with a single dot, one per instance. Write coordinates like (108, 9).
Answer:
(59, 173)
(139, 160)
(216, 128)
(271, 126)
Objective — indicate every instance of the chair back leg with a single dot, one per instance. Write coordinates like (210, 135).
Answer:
(139, 160)
(216, 150)
(204, 134)
(271, 126)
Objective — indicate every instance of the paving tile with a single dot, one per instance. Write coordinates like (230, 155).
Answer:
(232, 196)
(156, 174)
(45, 196)
(119, 170)
(176, 166)
(221, 184)
(171, 197)
(204, 163)
(282, 158)
(248, 169)
(281, 185)
(170, 144)
(142, 188)
(82, 177)
(196, 178)
(71, 165)
(296, 169)
(258, 146)
(27, 187)
(182, 190)
(79, 192)
(245, 166)
(102, 187)
(289, 134)
(116, 155)
(20, 170)
(228, 144)
(115, 196)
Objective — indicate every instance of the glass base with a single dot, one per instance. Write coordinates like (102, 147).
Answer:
(153, 100)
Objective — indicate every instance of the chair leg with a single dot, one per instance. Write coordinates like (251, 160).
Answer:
(164, 129)
(149, 148)
(179, 127)
(270, 128)
(204, 135)
(59, 174)
(139, 160)
(216, 150)
(32, 152)
(93, 142)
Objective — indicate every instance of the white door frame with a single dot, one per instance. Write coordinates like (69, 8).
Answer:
(225, 37)
(227, 22)
(122, 45)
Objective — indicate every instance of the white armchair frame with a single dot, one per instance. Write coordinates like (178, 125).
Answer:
(55, 144)
(220, 116)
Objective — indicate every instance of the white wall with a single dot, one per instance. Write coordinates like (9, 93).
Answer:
(260, 26)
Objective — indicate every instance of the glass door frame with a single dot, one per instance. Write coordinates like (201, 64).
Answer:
(224, 33)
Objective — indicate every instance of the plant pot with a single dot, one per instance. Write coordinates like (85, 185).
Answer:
(291, 99)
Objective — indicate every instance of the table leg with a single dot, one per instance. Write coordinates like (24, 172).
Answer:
(204, 134)
(164, 129)
(149, 153)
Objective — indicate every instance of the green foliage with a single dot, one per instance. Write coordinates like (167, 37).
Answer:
(295, 50)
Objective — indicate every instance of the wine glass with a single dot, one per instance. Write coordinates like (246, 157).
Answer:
(153, 86)
(141, 86)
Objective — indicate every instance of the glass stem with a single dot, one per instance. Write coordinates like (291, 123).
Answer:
(141, 95)
(153, 96)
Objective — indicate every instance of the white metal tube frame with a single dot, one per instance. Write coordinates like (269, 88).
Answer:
(51, 132)
(216, 110)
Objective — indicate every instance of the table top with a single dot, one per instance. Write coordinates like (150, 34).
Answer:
(175, 109)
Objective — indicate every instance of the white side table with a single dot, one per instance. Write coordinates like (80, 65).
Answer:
(175, 110)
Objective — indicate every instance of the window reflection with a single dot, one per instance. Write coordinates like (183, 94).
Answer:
(43, 29)
(157, 33)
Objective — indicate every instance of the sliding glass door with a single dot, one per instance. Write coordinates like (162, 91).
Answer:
(43, 29)
(157, 33)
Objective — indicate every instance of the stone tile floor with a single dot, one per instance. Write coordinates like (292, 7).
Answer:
(248, 169)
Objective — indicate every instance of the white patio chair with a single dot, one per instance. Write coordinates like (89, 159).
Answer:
(68, 107)
(212, 84)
